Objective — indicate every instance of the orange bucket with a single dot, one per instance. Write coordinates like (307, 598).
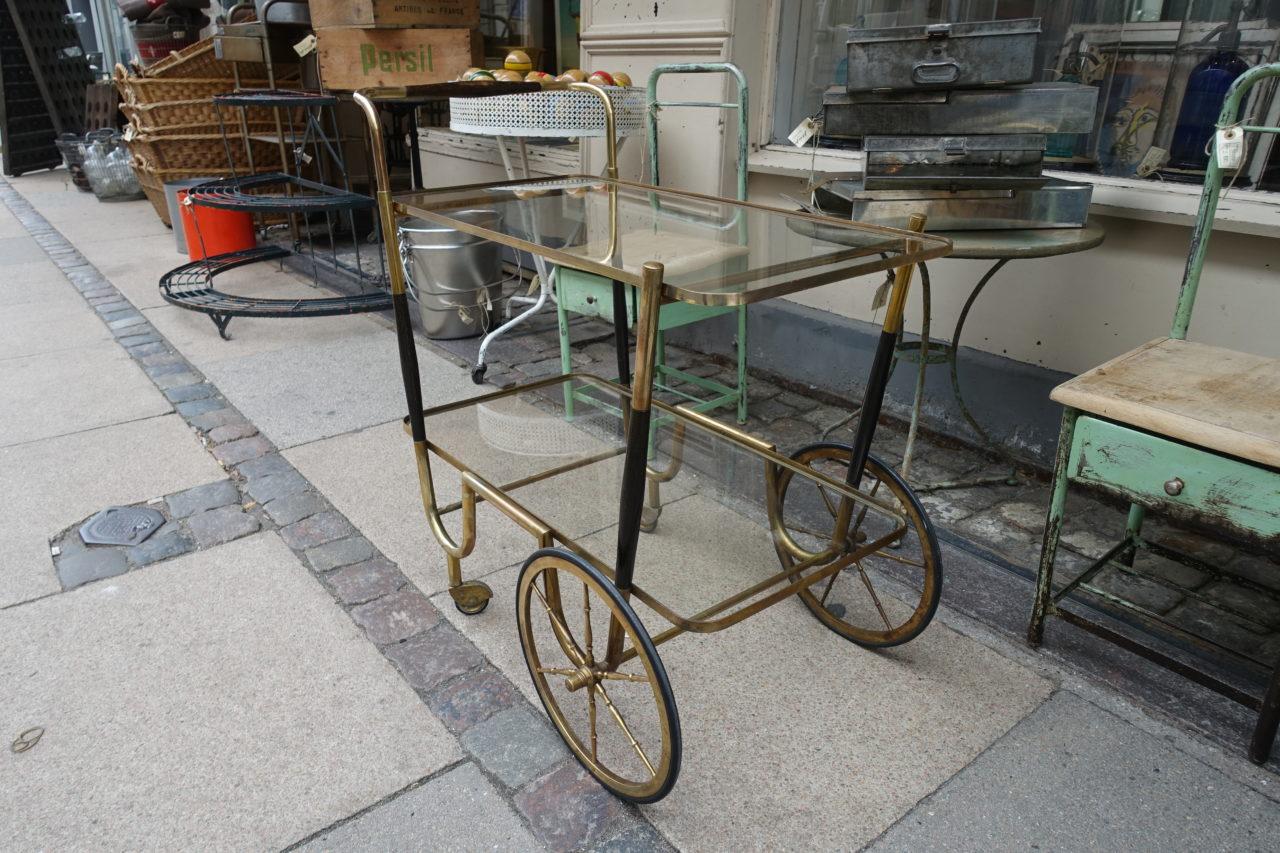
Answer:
(212, 231)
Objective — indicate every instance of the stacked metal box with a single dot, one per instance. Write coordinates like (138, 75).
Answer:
(953, 127)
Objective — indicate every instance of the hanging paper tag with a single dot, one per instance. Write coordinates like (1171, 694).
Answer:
(804, 131)
(306, 46)
(1152, 162)
(882, 295)
(1229, 148)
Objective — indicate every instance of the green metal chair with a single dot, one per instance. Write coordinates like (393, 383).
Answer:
(592, 295)
(1187, 429)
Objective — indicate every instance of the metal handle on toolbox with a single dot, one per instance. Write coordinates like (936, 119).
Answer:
(932, 73)
(937, 31)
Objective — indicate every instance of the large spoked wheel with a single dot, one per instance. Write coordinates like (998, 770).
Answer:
(619, 720)
(854, 602)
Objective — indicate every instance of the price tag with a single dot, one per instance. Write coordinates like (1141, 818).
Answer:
(1229, 148)
(306, 46)
(804, 131)
(881, 297)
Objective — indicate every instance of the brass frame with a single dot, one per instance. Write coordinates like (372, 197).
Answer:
(640, 483)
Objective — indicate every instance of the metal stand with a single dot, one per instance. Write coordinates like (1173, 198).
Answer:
(1000, 247)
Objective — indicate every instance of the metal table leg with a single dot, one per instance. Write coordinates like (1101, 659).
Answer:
(937, 352)
(954, 358)
(926, 300)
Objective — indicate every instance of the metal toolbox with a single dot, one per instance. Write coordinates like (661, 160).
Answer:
(985, 53)
(1034, 108)
(1057, 204)
(954, 162)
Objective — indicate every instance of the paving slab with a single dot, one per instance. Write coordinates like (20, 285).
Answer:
(50, 326)
(35, 282)
(53, 394)
(793, 737)
(1075, 777)
(61, 481)
(19, 250)
(460, 810)
(10, 226)
(221, 701)
(308, 392)
(135, 269)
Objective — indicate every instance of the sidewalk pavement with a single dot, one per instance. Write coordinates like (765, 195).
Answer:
(280, 666)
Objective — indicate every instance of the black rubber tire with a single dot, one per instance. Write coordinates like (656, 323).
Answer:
(648, 649)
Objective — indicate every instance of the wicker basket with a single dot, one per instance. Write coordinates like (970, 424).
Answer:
(199, 60)
(195, 117)
(145, 90)
(201, 152)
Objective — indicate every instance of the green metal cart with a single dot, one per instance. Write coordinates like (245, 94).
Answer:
(592, 295)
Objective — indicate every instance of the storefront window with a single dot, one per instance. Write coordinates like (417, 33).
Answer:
(1160, 67)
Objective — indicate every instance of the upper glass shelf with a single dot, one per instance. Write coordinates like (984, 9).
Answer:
(713, 251)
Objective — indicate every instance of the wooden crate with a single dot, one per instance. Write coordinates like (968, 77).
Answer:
(353, 58)
(395, 13)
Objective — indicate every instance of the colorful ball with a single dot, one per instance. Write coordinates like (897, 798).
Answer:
(575, 74)
(506, 75)
(601, 78)
(480, 74)
(622, 78)
(518, 60)
(537, 77)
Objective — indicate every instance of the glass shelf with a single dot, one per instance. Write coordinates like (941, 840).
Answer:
(567, 472)
(714, 251)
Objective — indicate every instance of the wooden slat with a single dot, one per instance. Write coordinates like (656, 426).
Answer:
(1208, 396)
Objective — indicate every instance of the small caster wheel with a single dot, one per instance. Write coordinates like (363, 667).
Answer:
(472, 597)
(477, 373)
(649, 518)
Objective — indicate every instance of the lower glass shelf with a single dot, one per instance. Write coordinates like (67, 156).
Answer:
(711, 492)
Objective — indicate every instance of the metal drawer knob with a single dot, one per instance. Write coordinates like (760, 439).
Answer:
(1174, 487)
(591, 300)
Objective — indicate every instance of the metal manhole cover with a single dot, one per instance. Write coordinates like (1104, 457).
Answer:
(121, 525)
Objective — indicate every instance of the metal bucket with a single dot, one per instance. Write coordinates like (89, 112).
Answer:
(456, 277)
(171, 190)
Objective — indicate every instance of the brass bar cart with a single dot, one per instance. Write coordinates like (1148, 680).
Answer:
(847, 532)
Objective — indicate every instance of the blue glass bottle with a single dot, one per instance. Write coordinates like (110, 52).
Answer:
(1206, 90)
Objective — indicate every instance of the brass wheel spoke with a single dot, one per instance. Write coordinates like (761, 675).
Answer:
(831, 582)
(586, 623)
(875, 598)
(624, 676)
(562, 631)
(898, 559)
(591, 720)
(622, 724)
(795, 528)
(826, 500)
(555, 670)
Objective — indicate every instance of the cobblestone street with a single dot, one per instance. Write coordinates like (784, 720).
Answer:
(280, 665)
